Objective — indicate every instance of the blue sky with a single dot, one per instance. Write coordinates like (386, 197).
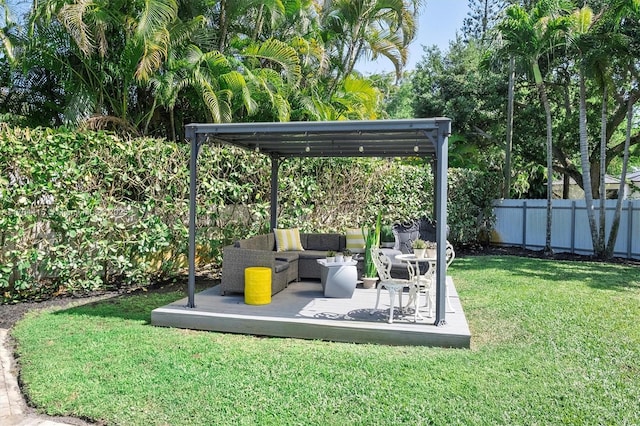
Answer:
(437, 24)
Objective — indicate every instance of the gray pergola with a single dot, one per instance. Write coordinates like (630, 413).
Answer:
(423, 137)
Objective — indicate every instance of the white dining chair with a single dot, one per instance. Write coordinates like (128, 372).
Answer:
(393, 285)
(426, 284)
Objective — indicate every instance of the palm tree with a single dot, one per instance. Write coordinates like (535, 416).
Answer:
(102, 51)
(581, 23)
(372, 28)
(619, 12)
(600, 48)
(530, 36)
(5, 32)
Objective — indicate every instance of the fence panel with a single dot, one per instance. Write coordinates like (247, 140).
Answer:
(523, 223)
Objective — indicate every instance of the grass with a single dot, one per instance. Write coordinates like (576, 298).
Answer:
(552, 343)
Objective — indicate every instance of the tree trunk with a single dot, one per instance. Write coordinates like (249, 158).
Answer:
(615, 225)
(603, 169)
(259, 23)
(150, 116)
(566, 186)
(547, 111)
(172, 123)
(222, 25)
(506, 193)
(586, 167)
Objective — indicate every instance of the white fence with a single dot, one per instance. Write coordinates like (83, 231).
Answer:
(523, 223)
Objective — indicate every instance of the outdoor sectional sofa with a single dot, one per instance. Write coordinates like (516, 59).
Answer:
(286, 266)
(296, 265)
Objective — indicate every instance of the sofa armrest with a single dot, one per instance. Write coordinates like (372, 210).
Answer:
(235, 260)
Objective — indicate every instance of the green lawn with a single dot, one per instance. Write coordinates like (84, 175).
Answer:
(552, 343)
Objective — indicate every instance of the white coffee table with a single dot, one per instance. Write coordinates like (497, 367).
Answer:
(338, 279)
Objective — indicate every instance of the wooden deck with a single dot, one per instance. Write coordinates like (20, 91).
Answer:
(301, 311)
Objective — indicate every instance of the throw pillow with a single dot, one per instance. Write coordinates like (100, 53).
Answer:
(288, 239)
(355, 240)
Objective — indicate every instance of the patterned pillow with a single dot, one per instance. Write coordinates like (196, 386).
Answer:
(355, 240)
(288, 239)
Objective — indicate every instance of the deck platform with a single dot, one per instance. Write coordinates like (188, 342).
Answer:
(302, 311)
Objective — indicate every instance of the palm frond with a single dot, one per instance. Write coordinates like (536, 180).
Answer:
(212, 103)
(155, 52)
(71, 15)
(282, 107)
(79, 107)
(109, 122)
(156, 15)
(235, 83)
(276, 52)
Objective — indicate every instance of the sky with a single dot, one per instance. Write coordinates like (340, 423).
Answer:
(437, 24)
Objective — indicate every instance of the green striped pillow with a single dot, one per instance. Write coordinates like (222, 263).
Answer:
(288, 239)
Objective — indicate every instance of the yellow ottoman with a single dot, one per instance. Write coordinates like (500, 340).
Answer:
(257, 285)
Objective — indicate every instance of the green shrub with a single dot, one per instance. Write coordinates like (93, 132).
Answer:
(83, 211)
(470, 210)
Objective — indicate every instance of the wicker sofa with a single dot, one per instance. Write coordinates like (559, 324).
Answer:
(289, 266)
(286, 267)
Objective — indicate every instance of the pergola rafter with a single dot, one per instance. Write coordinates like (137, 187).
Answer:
(424, 137)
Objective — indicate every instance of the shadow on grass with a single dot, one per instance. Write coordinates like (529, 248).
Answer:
(598, 275)
(137, 305)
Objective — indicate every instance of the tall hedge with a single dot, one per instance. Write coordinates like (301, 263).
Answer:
(84, 211)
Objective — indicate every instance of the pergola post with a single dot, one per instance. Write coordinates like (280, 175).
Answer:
(440, 202)
(434, 172)
(273, 209)
(193, 188)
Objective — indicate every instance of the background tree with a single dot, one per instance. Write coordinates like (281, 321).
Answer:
(456, 85)
(482, 17)
(530, 36)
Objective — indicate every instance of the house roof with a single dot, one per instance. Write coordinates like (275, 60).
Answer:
(372, 138)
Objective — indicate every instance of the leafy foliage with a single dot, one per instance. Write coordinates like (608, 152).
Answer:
(88, 210)
(457, 85)
(153, 66)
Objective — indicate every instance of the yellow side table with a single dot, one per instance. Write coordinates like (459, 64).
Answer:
(257, 285)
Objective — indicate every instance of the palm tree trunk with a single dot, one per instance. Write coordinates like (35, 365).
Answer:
(615, 225)
(603, 168)
(542, 91)
(259, 23)
(150, 115)
(586, 166)
(172, 123)
(507, 158)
